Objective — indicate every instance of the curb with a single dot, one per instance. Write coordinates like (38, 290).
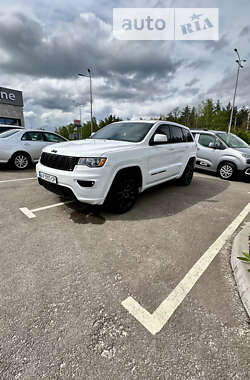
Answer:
(242, 276)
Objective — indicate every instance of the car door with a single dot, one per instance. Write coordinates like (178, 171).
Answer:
(160, 157)
(180, 149)
(207, 154)
(33, 143)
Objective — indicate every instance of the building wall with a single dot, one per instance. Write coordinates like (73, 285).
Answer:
(7, 110)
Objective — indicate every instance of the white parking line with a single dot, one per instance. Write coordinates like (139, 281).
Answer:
(15, 180)
(27, 212)
(155, 322)
(30, 213)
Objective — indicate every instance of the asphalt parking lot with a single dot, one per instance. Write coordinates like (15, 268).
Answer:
(66, 271)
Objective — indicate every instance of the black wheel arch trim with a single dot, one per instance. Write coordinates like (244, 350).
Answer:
(133, 168)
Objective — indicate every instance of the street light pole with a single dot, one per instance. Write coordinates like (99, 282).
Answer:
(91, 100)
(240, 66)
(91, 97)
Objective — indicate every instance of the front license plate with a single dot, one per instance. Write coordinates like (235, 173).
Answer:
(48, 177)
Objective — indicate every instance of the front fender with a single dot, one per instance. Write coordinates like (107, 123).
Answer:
(230, 158)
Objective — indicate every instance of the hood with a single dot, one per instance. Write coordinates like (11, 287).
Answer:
(243, 150)
(87, 148)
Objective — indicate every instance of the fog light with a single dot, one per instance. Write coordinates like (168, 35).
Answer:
(86, 183)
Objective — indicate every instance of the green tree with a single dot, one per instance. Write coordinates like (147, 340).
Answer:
(66, 131)
(207, 114)
(185, 116)
(108, 120)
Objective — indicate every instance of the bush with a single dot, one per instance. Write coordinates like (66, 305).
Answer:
(245, 259)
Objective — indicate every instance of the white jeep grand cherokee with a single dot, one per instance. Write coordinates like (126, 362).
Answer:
(119, 161)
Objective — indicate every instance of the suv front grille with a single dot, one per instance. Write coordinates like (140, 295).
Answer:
(57, 161)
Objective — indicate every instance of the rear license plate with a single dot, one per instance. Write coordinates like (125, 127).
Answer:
(48, 177)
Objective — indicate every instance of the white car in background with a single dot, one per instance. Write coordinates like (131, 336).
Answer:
(21, 147)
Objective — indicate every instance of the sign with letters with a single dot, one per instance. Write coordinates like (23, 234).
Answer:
(12, 97)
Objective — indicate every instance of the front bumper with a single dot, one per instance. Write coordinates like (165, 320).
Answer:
(67, 180)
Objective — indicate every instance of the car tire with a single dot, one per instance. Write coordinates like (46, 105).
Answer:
(122, 194)
(226, 170)
(20, 160)
(187, 175)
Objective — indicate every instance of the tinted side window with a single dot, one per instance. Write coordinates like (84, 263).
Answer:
(176, 135)
(187, 135)
(3, 129)
(50, 137)
(164, 130)
(32, 136)
(205, 140)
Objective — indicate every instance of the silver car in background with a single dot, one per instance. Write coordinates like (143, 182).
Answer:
(21, 147)
(221, 152)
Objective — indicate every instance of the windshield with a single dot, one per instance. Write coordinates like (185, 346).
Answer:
(129, 131)
(232, 141)
(8, 133)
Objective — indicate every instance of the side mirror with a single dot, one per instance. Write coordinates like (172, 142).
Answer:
(212, 145)
(219, 145)
(92, 134)
(160, 139)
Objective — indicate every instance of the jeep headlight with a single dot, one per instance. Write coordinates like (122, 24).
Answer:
(92, 162)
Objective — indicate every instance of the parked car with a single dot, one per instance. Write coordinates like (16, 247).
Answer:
(221, 152)
(23, 146)
(4, 127)
(119, 161)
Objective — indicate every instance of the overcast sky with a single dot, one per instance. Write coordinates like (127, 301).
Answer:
(45, 43)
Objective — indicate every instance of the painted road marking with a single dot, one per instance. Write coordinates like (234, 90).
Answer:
(155, 322)
(30, 213)
(27, 212)
(20, 179)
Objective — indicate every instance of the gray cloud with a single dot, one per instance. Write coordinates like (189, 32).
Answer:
(199, 63)
(215, 46)
(191, 91)
(62, 53)
(131, 71)
(192, 82)
(46, 44)
(245, 31)
(224, 88)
